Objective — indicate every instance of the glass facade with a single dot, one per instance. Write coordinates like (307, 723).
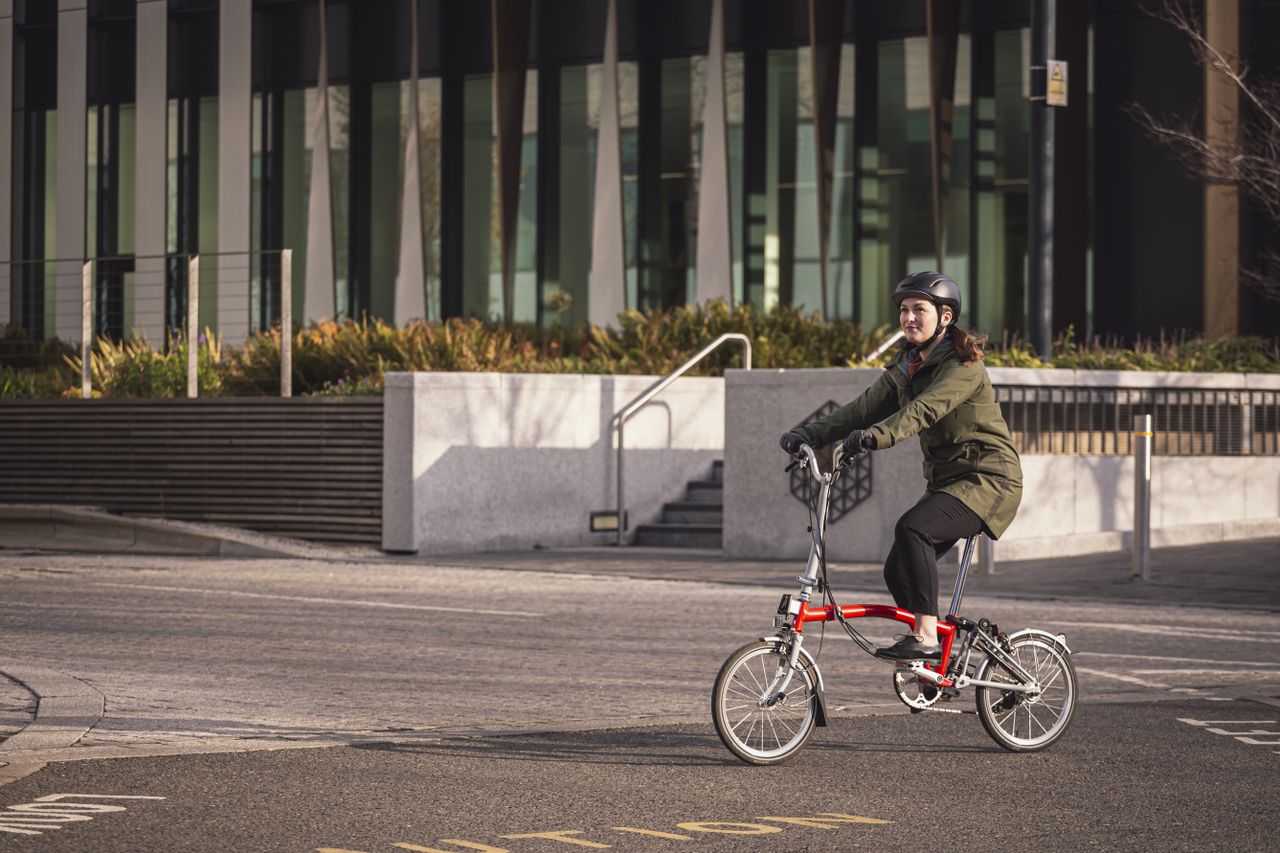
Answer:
(881, 218)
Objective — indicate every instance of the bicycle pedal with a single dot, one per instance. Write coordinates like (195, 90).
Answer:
(949, 693)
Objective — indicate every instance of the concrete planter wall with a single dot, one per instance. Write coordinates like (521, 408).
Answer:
(1071, 504)
(487, 461)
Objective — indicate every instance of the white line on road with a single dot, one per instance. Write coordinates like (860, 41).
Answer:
(1164, 659)
(1128, 679)
(1181, 631)
(312, 600)
(1266, 673)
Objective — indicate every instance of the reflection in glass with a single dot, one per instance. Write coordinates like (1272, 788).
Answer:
(1000, 139)
(481, 206)
(192, 215)
(792, 250)
(38, 223)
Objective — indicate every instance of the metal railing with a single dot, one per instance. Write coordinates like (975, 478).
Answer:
(89, 275)
(1092, 421)
(620, 419)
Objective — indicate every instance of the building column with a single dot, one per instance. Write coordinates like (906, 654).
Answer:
(607, 292)
(73, 48)
(7, 314)
(826, 29)
(235, 127)
(715, 249)
(149, 176)
(1221, 202)
(319, 284)
(411, 297)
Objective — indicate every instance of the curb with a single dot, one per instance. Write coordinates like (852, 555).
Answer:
(67, 708)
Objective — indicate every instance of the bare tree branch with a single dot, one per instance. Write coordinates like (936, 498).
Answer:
(1244, 153)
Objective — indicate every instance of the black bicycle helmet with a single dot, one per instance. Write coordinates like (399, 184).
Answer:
(934, 286)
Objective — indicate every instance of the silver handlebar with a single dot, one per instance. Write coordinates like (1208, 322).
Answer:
(806, 456)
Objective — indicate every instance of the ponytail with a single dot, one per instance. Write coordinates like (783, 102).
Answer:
(968, 345)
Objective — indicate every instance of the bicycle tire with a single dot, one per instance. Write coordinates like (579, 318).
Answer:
(1045, 717)
(752, 731)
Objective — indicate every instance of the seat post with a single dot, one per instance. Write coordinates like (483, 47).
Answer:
(958, 594)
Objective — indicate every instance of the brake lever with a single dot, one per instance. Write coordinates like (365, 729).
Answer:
(791, 467)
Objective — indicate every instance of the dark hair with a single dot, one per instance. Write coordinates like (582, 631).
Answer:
(968, 345)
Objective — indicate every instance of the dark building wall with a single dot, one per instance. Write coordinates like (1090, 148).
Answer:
(1148, 263)
(1260, 310)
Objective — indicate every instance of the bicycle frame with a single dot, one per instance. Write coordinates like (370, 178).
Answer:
(950, 671)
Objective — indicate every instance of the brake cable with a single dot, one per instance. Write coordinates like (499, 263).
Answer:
(828, 596)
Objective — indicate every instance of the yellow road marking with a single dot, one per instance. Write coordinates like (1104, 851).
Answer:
(827, 820)
(653, 832)
(470, 845)
(710, 826)
(560, 835)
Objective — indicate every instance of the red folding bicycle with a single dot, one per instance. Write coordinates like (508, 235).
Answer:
(769, 695)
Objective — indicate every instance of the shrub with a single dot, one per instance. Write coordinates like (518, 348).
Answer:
(352, 357)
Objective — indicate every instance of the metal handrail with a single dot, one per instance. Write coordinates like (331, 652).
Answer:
(652, 391)
(884, 346)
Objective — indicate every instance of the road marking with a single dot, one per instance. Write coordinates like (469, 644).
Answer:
(1128, 679)
(53, 810)
(1165, 659)
(1245, 737)
(826, 821)
(821, 820)
(483, 848)
(718, 827)
(313, 600)
(1266, 673)
(670, 836)
(561, 835)
(1182, 631)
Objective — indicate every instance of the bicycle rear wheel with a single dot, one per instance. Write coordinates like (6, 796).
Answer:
(754, 728)
(1018, 721)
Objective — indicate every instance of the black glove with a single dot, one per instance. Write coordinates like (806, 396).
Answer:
(858, 441)
(792, 442)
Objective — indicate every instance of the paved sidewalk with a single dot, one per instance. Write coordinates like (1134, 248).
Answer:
(1241, 574)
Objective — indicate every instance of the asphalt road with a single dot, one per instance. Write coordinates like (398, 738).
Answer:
(473, 704)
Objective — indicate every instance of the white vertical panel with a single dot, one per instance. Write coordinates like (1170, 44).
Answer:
(715, 252)
(411, 300)
(235, 124)
(73, 44)
(319, 285)
(6, 160)
(149, 177)
(608, 280)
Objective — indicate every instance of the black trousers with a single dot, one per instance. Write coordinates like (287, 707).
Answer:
(923, 534)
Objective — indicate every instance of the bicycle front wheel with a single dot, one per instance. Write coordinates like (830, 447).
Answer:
(1022, 722)
(757, 722)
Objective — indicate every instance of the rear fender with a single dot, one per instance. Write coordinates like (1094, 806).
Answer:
(1057, 640)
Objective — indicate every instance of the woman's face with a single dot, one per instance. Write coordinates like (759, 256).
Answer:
(919, 319)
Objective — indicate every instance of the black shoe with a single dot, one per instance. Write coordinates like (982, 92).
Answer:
(909, 647)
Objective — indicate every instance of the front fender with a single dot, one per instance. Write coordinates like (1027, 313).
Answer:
(812, 666)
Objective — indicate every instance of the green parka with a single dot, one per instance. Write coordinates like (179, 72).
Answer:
(968, 452)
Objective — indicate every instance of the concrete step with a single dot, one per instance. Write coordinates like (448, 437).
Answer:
(704, 491)
(692, 512)
(679, 535)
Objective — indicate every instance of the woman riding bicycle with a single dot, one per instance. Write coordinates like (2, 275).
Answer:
(936, 387)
